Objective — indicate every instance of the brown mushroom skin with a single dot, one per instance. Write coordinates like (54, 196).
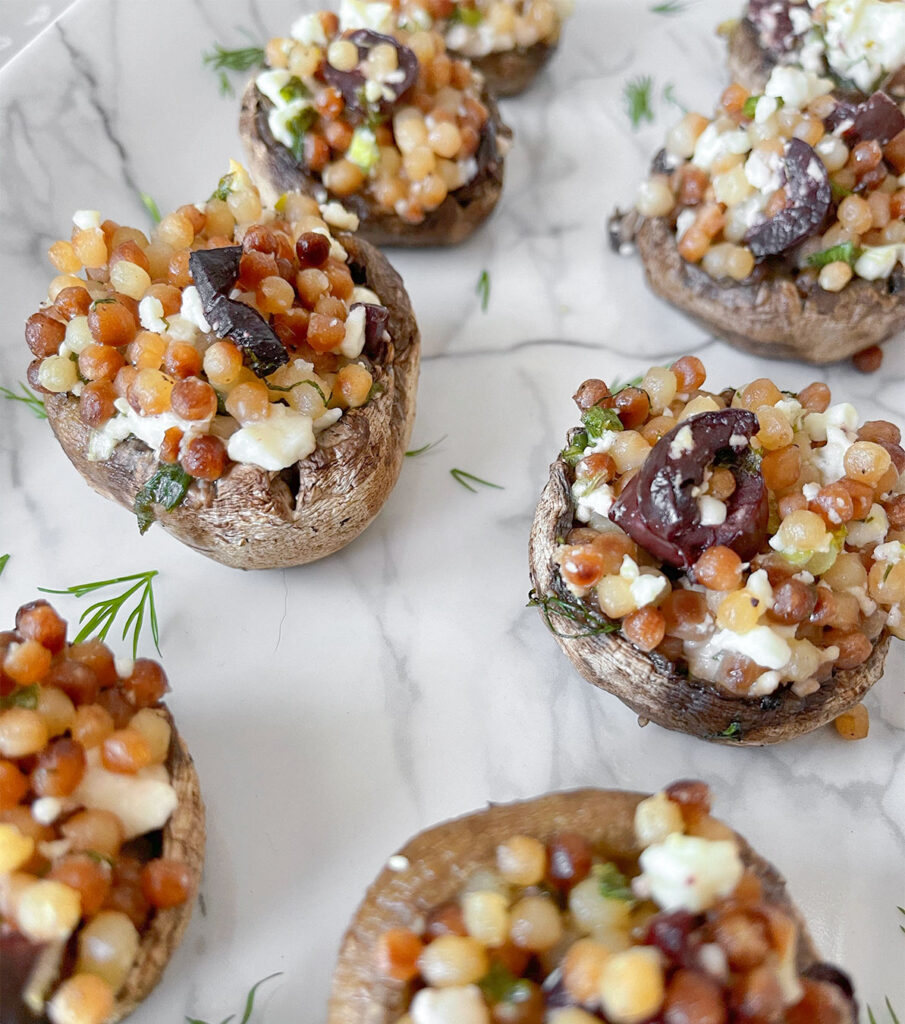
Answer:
(252, 518)
(769, 316)
(652, 687)
(275, 171)
(510, 72)
(749, 63)
(183, 840)
(441, 858)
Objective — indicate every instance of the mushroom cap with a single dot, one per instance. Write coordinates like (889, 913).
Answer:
(253, 518)
(510, 72)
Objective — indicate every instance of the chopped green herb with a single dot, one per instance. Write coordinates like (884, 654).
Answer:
(619, 385)
(469, 16)
(249, 1004)
(637, 98)
(732, 732)
(297, 126)
(21, 697)
(363, 150)
(150, 206)
(497, 983)
(461, 477)
(593, 622)
(221, 404)
(167, 487)
(224, 186)
(30, 399)
(377, 388)
(102, 614)
(292, 387)
(483, 289)
(3, 560)
(597, 420)
(424, 448)
(750, 107)
(839, 191)
(669, 7)
(612, 884)
(574, 451)
(295, 89)
(846, 252)
(222, 60)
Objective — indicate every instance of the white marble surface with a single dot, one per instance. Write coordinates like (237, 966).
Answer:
(336, 708)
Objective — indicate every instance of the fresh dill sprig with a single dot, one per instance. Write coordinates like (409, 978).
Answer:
(483, 289)
(461, 477)
(153, 209)
(222, 60)
(669, 7)
(892, 1013)
(102, 614)
(3, 560)
(669, 96)
(901, 910)
(249, 1004)
(29, 398)
(620, 385)
(593, 623)
(637, 98)
(424, 448)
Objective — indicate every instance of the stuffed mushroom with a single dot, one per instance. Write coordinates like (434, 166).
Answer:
(383, 119)
(581, 906)
(729, 564)
(779, 223)
(246, 377)
(101, 827)
(860, 44)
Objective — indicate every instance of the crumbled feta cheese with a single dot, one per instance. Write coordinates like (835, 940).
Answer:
(337, 216)
(712, 144)
(309, 29)
(864, 39)
(691, 873)
(878, 261)
(796, 88)
(683, 442)
(712, 510)
(762, 645)
(280, 440)
(363, 14)
(269, 84)
(280, 119)
(684, 221)
(810, 491)
(645, 587)
(150, 313)
(365, 295)
(866, 604)
(738, 441)
(765, 109)
(124, 666)
(871, 530)
(398, 863)
(327, 420)
(354, 340)
(843, 415)
(764, 171)
(84, 219)
(149, 429)
(891, 551)
(180, 328)
(193, 309)
(758, 586)
(588, 504)
(46, 809)
(766, 683)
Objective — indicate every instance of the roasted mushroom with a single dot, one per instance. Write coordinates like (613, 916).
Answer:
(262, 411)
(561, 909)
(779, 224)
(729, 565)
(101, 827)
(861, 45)
(384, 121)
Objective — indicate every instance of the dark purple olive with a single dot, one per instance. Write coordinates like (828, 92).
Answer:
(215, 272)
(773, 22)
(877, 118)
(659, 508)
(671, 932)
(352, 83)
(809, 199)
(376, 318)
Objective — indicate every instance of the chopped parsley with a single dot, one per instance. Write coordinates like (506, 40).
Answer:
(846, 252)
(575, 450)
(21, 697)
(297, 127)
(224, 186)
(597, 420)
(612, 884)
(167, 487)
(469, 16)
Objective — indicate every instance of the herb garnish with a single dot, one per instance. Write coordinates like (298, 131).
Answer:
(612, 884)
(619, 385)
(469, 16)
(21, 697)
(152, 207)
(297, 127)
(839, 191)
(892, 1013)
(295, 89)
(377, 388)
(424, 448)
(249, 1004)
(597, 420)
(594, 623)
(497, 982)
(483, 289)
(461, 477)
(3, 560)
(669, 7)
(224, 186)
(222, 60)
(102, 614)
(733, 731)
(575, 450)
(167, 487)
(28, 396)
(901, 910)
(637, 98)
(298, 383)
(846, 252)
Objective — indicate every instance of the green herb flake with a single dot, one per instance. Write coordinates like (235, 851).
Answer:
(224, 187)
(148, 202)
(612, 884)
(619, 385)
(839, 191)
(597, 420)
(637, 98)
(846, 252)
(102, 614)
(3, 560)
(249, 1003)
(377, 388)
(295, 89)
(591, 621)
(575, 450)
(669, 7)
(297, 127)
(461, 477)
(29, 398)
(482, 289)
(222, 60)
(100, 858)
(497, 983)
(167, 487)
(424, 448)
(750, 107)
(733, 731)
(298, 383)
(469, 16)
(21, 697)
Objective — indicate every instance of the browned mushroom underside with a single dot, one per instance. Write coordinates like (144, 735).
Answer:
(769, 317)
(651, 686)
(253, 518)
(442, 858)
(275, 171)
(183, 840)
(510, 72)
(749, 64)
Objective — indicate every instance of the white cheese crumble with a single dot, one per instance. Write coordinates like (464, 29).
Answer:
(712, 511)
(691, 873)
(309, 29)
(46, 809)
(762, 645)
(270, 82)
(713, 143)
(871, 530)
(362, 14)
(337, 216)
(591, 504)
(282, 439)
(193, 309)
(646, 586)
(864, 39)
(150, 314)
(398, 863)
(683, 442)
(891, 551)
(796, 88)
(354, 340)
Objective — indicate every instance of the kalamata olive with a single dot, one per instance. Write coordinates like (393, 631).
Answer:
(376, 318)
(774, 25)
(352, 83)
(809, 195)
(671, 933)
(877, 118)
(659, 508)
(215, 272)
